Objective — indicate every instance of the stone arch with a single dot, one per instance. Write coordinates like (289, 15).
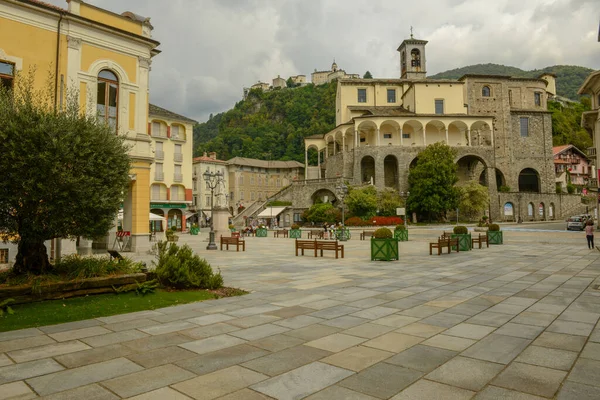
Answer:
(390, 171)
(367, 169)
(481, 134)
(529, 181)
(471, 167)
(551, 211)
(112, 66)
(435, 131)
(339, 141)
(486, 91)
(457, 133)
(313, 152)
(542, 210)
(349, 138)
(530, 210)
(323, 195)
(413, 132)
(508, 211)
(500, 179)
(329, 144)
(413, 162)
(367, 133)
(390, 128)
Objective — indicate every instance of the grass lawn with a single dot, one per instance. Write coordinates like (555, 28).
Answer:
(52, 312)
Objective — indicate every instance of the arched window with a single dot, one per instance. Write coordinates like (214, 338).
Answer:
(415, 56)
(108, 98)
(486, 91)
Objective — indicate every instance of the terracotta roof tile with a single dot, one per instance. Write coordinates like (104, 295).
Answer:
(41, 3)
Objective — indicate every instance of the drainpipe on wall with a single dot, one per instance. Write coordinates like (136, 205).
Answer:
(58, 246)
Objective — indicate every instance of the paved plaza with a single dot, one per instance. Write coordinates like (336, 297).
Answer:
(515, 321)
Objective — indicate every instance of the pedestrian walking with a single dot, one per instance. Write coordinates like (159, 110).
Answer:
(589, 234)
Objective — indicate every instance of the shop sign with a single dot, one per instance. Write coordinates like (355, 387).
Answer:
(167, 205)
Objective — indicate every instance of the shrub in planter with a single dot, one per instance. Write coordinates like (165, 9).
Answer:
(194, 229)
(384, 246)
(295, 232)
(495, 234)
(463, 236)
(401, 233)
(231, 228)
(261, 231)
(179, 267)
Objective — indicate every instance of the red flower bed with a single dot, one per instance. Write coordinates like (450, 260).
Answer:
(386, 221)
(356, 221)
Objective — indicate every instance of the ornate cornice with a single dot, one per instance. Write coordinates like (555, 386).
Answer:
(144, 62)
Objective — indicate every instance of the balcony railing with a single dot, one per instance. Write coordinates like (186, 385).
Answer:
(178, 157)
(591, 151)
(594, 182)
(159, 155)
(159, 176)
(178, 177)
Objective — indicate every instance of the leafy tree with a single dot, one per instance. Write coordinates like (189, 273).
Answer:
(473, 199)
(320, 212)
(389, 200)
(431, 180)
(566, 124)
(362, 202)
(367, 75)
(290, 83)
(64, 173)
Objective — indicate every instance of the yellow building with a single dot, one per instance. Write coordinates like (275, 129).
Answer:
(105, 57)
(171, 173)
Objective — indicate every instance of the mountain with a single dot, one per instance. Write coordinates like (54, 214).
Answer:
(568, 77)
(269, 124)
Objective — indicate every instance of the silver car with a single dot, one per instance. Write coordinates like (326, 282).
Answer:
(576, 223)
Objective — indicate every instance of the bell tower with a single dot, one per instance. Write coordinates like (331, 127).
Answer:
(412, 58)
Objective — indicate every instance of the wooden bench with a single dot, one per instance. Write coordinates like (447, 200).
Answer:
(234, 241)
(443, 242)
(365, 234)
(317, 233)
(306, 245)
(318, 246)
(282, 232)
(480, 239)
(330, 245)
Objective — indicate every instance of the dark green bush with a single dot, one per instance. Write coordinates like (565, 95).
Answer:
(383, 233)
(179, 267)
(461, 230)
(75, 266)
(504, 189)
(400, 227)
(295, 226)
(494, 227)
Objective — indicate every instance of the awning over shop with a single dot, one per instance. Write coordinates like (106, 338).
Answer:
(153, 217)
(271, 212)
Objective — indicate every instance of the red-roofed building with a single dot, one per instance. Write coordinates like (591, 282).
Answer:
(572, 164)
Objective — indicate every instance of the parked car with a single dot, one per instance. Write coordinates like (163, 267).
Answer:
(576, 223)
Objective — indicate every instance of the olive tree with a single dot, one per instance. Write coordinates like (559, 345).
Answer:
(63, 172)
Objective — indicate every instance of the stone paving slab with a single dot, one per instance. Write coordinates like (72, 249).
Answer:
(521, 315)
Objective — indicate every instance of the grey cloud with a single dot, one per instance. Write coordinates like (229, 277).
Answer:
(213, 48)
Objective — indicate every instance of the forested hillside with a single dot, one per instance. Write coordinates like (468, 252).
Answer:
(568, 77)
(269, 124)
(273, 124)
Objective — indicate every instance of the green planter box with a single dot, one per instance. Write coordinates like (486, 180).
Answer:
(342, 234)
(495, 237)
(402, 236)
(384, 249)
(295, 234)
(464, 241)
(261, 232)
(194, 231)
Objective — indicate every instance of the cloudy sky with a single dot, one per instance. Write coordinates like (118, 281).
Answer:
(211, 49)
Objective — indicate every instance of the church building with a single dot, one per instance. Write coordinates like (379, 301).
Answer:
(499, 126)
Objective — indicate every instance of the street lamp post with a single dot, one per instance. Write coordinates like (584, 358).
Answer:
(213, 180)
(405, 195)
(342, 191)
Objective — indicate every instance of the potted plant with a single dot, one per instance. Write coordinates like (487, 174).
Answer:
(261, 231)
(401, 233)
(342, 233)
(171, 236)
(384, 246)
(482, 225)
(231, 228)
(194, 230)
(295, 232)
(463, 236)
(494, 234)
